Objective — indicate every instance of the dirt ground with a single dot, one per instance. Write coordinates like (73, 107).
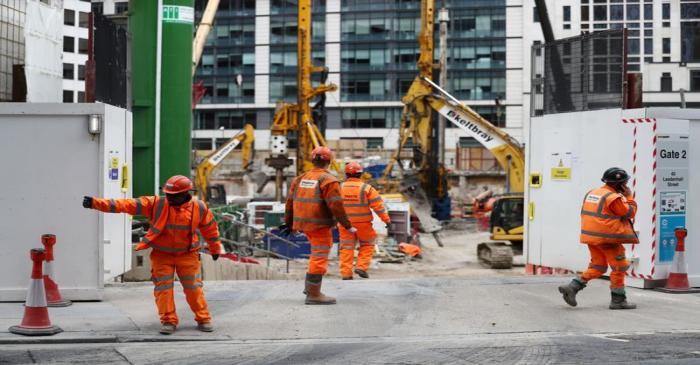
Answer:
(456, 259)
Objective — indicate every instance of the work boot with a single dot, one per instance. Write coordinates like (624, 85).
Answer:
(345, 278)
(619, 301)
(313, 290)
(569, 291)
(363, 274)
(167, 329)
(205, 327)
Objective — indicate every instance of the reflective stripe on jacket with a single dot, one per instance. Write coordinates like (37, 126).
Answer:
(173, 229)
(358, 198)
(600, 224)
(314, 202)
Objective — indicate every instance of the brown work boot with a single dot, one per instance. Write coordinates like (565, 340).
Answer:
(569, 291)
(362, 273)
(313, 290)
(619, 301)
(167, 328)
(205, 327)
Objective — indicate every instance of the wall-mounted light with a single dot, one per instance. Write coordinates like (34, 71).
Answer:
(95, 124)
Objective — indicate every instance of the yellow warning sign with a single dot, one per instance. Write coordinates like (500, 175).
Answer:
(115, 163)
(561, 173)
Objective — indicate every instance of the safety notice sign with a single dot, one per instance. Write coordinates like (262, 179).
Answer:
(672, 187)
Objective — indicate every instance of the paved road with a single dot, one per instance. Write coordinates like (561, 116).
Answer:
(505, 320)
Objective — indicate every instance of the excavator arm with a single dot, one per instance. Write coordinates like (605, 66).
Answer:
(211, 162)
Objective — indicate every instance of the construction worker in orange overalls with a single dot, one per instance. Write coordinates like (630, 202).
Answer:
(313, 206)
(606, 223)
(173, 237)
(359, 200)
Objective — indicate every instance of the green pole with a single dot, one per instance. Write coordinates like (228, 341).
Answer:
(172, 141)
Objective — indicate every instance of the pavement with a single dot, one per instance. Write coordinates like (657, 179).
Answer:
(513, 320)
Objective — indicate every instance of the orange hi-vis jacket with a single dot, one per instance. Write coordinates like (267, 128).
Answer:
(358, 198)
(314, 202)
(173, 229)
(606, 217)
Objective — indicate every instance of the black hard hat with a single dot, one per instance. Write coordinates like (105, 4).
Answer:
(615, 175)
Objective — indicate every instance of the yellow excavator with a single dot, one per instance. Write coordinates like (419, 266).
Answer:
(422, 99)
(298, 117)
(246, 137)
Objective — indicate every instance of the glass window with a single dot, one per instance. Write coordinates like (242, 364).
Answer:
(67, 96)
(97, 8)
(694, 80)
(83, 19)
(666, 45)
(690, 42)
(567, 13)
(600, 13)
(68, 17)
(68, 71)
(617, 12)
(633, 46)
(81, 97)
(690, 11)
(666, 11)
(648, 11)
(121, 7)
(68, 44)
(81, 72)
(632, 11)
(648, 46)
(584, 13)
(666, 82)
(535, 15)
(201, 144)
(371, 118)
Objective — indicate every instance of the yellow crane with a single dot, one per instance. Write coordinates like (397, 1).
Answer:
(424, 97)
(211, 162)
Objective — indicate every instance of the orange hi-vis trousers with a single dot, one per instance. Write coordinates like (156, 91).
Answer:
(163, 268)
(366, 236)
(321, 241)
(604, 255)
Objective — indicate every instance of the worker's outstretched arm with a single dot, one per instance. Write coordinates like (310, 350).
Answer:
(377, 204)
(210, 232)
(331, 195)
(139, 206)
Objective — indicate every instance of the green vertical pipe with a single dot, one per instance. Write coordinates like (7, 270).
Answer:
(142, 26)
(176, 89)
(176, 94)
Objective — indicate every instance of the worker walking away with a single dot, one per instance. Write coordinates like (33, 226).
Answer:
(606, 223)
(313, 206)
(174, 222)
(359, 200)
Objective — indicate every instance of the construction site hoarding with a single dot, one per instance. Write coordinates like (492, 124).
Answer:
(54, 154)
(566, 156)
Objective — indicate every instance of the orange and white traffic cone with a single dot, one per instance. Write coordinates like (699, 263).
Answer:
(53, 295)
(36, 320)
(677, 281)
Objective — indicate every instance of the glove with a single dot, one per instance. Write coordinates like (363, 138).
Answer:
(388, 226)
(214, 257)
(285, 230)
(352, 230)
(87, 202)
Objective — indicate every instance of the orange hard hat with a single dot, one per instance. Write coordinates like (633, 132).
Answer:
(177, 184)
(353, 168)
(322, 153)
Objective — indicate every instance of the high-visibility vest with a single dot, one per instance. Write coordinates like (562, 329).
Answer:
(159, 223)
(310, 207)
(599, 225)
(357, 200)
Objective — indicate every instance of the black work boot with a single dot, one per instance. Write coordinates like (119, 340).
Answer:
(619, 301)
(362, 273)
(569, 291)
(313, 290)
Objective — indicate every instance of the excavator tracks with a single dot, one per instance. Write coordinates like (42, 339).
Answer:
(496, 255)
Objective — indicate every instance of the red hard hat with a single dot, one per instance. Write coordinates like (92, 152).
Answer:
(177, 184)
(353, 168)
(322, 153)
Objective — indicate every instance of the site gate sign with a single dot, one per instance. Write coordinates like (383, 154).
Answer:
(672, 186)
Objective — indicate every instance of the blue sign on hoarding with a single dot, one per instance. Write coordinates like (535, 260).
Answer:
(667, 236)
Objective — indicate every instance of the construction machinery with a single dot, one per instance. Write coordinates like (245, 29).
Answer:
(422, 99)
(299, 117)
(246, 137)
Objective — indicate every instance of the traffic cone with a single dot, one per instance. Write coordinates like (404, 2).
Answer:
(36, 320)
(53, 295)
(677, 281)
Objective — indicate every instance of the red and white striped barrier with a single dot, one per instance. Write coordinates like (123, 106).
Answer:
(36, 320)
(53, 294)
(635, 122)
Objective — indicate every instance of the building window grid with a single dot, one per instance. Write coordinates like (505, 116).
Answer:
(11, 41)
